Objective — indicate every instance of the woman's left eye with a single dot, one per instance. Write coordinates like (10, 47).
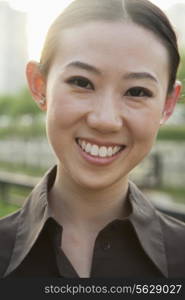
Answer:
(139, 92)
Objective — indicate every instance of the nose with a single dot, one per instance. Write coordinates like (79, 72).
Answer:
(105, 115)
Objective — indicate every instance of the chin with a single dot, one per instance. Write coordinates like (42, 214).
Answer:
(98, 184)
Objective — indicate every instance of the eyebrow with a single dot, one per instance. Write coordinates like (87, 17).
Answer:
(83, 66)
(140, 75)
(130, 75)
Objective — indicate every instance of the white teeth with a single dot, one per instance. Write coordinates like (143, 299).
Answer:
(95, 150)
(102, 151)
(110, 151)
(116, 149)
(88, 148)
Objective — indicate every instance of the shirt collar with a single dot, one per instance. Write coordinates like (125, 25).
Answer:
(32, 219)
(147, 225)
(35, 213)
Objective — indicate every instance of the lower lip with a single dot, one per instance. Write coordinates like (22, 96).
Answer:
(99, 161)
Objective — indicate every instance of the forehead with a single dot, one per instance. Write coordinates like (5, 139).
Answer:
(116, 45)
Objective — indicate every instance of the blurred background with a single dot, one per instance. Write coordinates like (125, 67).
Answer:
(24, 151)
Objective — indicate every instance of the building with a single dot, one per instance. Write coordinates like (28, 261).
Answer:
(13, 49)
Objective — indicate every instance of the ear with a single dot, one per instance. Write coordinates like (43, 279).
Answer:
(37, 84)
(170, 102)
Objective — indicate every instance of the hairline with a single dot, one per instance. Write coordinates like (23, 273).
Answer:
(124, 17)
(81, 23)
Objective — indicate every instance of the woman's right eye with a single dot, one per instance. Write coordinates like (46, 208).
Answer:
(81, 82)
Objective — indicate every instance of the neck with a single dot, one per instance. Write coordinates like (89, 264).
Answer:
(73, 205)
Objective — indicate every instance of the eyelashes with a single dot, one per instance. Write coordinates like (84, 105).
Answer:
(81, 82)
(139, 92)
(85, 84)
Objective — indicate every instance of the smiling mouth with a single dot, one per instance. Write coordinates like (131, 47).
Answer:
(99, 151)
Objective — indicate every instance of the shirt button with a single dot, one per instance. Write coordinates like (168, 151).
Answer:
(106, 246)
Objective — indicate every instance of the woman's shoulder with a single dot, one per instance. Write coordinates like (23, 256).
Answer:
(173, 229)
(171, 224)
(8, 229)
(173, 236)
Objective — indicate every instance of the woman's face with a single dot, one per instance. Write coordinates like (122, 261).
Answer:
(106, 91)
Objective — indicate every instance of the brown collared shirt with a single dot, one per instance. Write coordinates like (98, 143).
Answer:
(147, 244)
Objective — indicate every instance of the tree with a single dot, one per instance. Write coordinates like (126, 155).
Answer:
(24, 105)
(18, 105)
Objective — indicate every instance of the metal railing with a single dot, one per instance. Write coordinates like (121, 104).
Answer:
(8, 180)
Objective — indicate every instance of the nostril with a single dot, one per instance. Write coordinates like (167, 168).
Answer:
(104, 124)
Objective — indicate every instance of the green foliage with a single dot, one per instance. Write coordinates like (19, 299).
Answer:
(181, 76)
(22, 114)
(175, 133)
(5, 104)
(18, 104)
(22, 168)
(176, 192)
(6, 208)
(24, 105)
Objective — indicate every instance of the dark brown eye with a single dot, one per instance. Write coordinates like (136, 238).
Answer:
(81, 82)
(139, 92)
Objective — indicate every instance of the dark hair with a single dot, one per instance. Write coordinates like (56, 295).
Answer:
(141, 12)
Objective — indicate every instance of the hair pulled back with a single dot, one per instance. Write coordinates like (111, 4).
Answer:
(142, 12)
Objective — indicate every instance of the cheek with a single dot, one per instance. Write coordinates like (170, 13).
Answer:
(62, 112)
(145, 124)
(65, 108)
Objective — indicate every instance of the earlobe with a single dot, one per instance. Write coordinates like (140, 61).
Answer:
(170, 102)
(36, 83)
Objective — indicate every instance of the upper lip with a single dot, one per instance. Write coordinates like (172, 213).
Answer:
(93, 141)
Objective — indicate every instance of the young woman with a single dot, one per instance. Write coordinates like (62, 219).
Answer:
(107, 81)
